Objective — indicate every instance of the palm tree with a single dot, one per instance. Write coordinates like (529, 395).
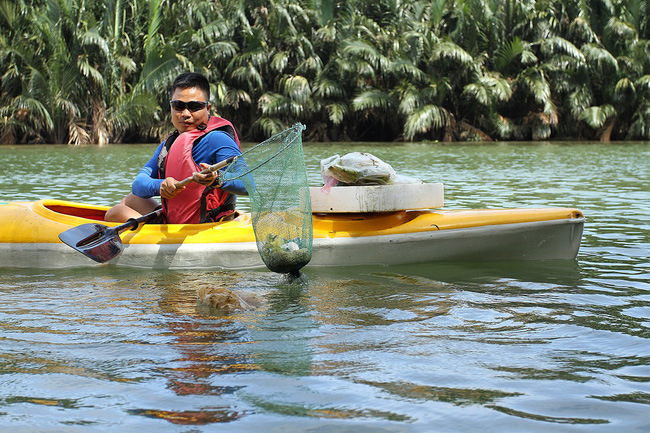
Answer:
(57, 73)
(23, 117)
(79, 71)
(360, 64)
(70, 80)
(618, 108)
(285, 94)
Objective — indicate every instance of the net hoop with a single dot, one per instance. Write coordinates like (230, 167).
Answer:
(294, 132)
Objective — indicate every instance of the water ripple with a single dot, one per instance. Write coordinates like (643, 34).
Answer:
(533, 347)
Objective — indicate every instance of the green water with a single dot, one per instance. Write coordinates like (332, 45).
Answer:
(450, 347)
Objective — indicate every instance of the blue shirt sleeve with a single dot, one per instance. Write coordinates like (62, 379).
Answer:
(147, 182)
(216, 147)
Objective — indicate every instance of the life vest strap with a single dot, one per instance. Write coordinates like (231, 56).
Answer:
(212, 215)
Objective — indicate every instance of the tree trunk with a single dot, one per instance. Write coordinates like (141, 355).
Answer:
(606, 134)
(465, 126)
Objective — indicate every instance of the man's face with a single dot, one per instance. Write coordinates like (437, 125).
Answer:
(186, 120)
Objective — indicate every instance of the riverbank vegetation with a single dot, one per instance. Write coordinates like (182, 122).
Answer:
(91, 71)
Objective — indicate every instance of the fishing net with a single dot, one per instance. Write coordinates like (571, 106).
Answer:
(275, 177)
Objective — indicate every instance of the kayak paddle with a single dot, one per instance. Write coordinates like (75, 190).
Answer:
(102, 243)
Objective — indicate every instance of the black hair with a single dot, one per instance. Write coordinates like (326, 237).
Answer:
(192, 79)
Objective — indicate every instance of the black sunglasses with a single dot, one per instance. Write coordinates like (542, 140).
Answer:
(190, 105)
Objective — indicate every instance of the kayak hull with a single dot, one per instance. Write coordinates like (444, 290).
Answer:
(30, 238)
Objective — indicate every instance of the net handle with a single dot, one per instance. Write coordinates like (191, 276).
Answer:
(212, 168)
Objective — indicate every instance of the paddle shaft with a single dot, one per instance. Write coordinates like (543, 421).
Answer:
(134, 223)
(103, 233)
(213, 167)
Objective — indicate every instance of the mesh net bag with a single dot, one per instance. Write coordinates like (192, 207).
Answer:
(275, 177)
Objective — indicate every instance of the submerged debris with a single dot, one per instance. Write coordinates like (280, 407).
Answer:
(226, 299)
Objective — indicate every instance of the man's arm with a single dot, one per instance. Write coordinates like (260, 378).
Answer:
(146, 183)
(218, 146)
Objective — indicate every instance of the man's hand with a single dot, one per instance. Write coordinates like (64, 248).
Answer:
(204, 179)
(168, 188)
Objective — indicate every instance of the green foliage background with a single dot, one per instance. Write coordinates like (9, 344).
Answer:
(99, 71)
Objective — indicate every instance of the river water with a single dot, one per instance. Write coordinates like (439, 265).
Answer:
(448, 347)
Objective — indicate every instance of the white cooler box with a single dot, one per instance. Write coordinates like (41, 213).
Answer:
(377, 198)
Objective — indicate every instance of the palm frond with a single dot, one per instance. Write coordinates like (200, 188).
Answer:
(528, 58)
(273, 104)
(9, 11)
(327, 88)
(508, 53)
(625, 85)
(499, 87)
(125, 63)
(337, 112)
(129, 110)
(596, 116)
(234, 98)
(92, 37)
(158, 68)
(248, 74)
(404, 68)
(450, 52)
(621, 30)
(600, 57)
(77, 133)
(425, 119)
(409, 100)
(285, 21)
(311, 64)
(296, 87)
(361, 49)
(327, 33)
(212, 31)
(89, 71)
(477, 93)
(67, 107)
(35, 110)
(640, 128)
(580, 29)
(279, 61)
(631, 66)
(558, 45)
(269, 125)
(504, 127)
(155, 21)
(579, 100)
(534, 80)
(373, 99)
(223, 49)
(643, 84)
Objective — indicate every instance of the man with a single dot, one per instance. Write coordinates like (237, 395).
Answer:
(198, 142)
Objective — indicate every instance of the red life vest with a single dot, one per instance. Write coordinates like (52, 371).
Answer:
(196, 203)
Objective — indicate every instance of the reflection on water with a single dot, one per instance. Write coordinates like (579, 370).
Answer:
(533, 346)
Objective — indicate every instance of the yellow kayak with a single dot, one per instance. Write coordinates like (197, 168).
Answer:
(29, 237)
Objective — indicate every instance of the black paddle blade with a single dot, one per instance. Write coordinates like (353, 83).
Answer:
(94, 240)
